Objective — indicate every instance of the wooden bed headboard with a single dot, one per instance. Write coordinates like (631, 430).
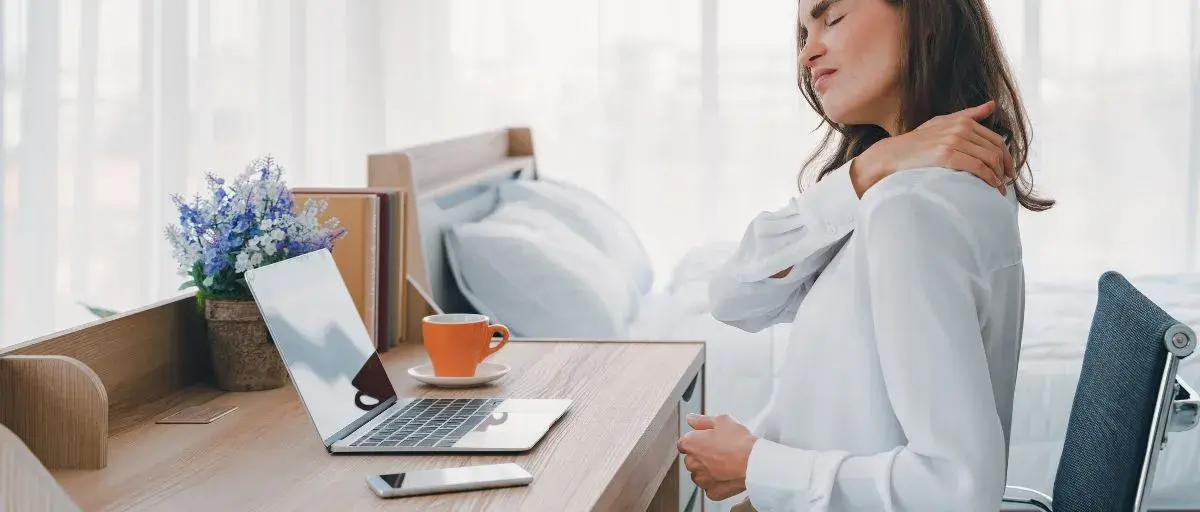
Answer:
(450, 182)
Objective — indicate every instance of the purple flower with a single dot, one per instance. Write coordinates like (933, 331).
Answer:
(223, 235)
(242, 224)
(214, 260)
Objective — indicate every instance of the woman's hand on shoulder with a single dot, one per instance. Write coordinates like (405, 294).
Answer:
(956, 141)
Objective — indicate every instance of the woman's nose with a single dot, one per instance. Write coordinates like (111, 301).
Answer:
(813, 49)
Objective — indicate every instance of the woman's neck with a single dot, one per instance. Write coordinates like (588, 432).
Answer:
(889, 115)
(892, 128)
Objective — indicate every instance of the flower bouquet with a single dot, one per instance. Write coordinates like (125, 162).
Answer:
(248, 223)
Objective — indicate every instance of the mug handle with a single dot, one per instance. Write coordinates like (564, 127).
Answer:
(497, 328)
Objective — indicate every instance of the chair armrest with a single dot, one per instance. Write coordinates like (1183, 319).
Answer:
(1026, 496)
(1185, 407)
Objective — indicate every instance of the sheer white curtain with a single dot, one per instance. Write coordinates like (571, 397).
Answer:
(684, 114)
(111, 106)
(681, 113)
(1117, 104)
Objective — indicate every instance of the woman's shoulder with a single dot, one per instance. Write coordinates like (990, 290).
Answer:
(949, 199)
(958, 191)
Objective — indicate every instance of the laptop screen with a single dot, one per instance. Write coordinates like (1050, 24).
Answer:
(323, 341)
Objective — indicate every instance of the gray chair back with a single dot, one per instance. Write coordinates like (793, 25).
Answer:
(1118, 418)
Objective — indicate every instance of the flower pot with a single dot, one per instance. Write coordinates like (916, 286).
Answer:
(243, 354)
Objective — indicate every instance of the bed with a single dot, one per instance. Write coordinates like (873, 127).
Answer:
(462, 258)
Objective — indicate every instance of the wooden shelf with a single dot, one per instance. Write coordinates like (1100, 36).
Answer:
(66, 393)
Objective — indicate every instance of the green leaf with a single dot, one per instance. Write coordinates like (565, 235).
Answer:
(98, 311)
(187, 284)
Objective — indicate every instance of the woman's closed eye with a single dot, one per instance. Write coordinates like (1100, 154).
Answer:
(831, 20)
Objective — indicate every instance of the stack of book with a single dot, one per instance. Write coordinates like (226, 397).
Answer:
(370, 255)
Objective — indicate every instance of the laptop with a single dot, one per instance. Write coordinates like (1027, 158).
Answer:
(345, 389)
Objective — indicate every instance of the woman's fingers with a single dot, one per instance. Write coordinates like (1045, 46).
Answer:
(999, 141)
(978, 112)
(955, 159)
(971, 133)
(993, 137)
(983, 149)
(970, 118)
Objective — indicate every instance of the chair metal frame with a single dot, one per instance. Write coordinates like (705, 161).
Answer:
(1178, 410)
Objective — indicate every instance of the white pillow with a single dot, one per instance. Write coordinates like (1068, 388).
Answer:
(527, 270)
(593, 219)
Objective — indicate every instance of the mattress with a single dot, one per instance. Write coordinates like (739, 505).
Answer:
(1057, 320)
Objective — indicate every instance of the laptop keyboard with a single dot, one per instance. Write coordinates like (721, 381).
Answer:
(430, 422)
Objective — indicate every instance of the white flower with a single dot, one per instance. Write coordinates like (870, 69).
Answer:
(256, 259)
(265, 225)
(258, 243)
(185, 253)
(242, 263)
(272, 191)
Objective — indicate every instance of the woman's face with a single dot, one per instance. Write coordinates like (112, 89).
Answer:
(852, 51)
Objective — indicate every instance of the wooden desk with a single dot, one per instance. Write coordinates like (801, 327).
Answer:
(613, 450)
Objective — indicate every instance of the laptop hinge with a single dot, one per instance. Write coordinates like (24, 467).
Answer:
(356, 424)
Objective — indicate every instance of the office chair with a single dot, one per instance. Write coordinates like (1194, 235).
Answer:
(1128, 398)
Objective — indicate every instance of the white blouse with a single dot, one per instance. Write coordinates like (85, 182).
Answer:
(906, 306)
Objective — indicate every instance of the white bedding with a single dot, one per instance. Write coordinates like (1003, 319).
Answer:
(1058, 317)
(739, 364)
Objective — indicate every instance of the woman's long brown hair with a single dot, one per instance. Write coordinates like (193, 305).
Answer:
(952, 60)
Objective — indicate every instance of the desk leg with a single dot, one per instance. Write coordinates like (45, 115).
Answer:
(667, 498)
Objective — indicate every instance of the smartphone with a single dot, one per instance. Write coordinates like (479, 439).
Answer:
(433, 481)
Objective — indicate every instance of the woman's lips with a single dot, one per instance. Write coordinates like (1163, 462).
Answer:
(821, 82)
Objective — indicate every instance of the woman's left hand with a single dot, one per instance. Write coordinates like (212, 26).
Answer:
(954, 141)
(717, 453)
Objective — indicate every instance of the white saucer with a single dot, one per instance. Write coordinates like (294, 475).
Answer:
(484, 373)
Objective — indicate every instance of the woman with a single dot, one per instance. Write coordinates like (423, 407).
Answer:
(900, 273)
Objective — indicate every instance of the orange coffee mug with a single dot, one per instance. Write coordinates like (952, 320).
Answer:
(458, 342)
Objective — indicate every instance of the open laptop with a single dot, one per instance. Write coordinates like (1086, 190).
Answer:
(345, 389)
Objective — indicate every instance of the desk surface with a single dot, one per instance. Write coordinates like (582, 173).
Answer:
(267, 455)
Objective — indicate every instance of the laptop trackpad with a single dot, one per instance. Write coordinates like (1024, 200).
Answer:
(508, 430)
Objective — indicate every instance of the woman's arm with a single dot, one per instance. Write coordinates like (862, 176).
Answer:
(926, 287)
(782, 253)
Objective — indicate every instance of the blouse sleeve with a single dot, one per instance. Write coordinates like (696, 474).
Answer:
(804, 235)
